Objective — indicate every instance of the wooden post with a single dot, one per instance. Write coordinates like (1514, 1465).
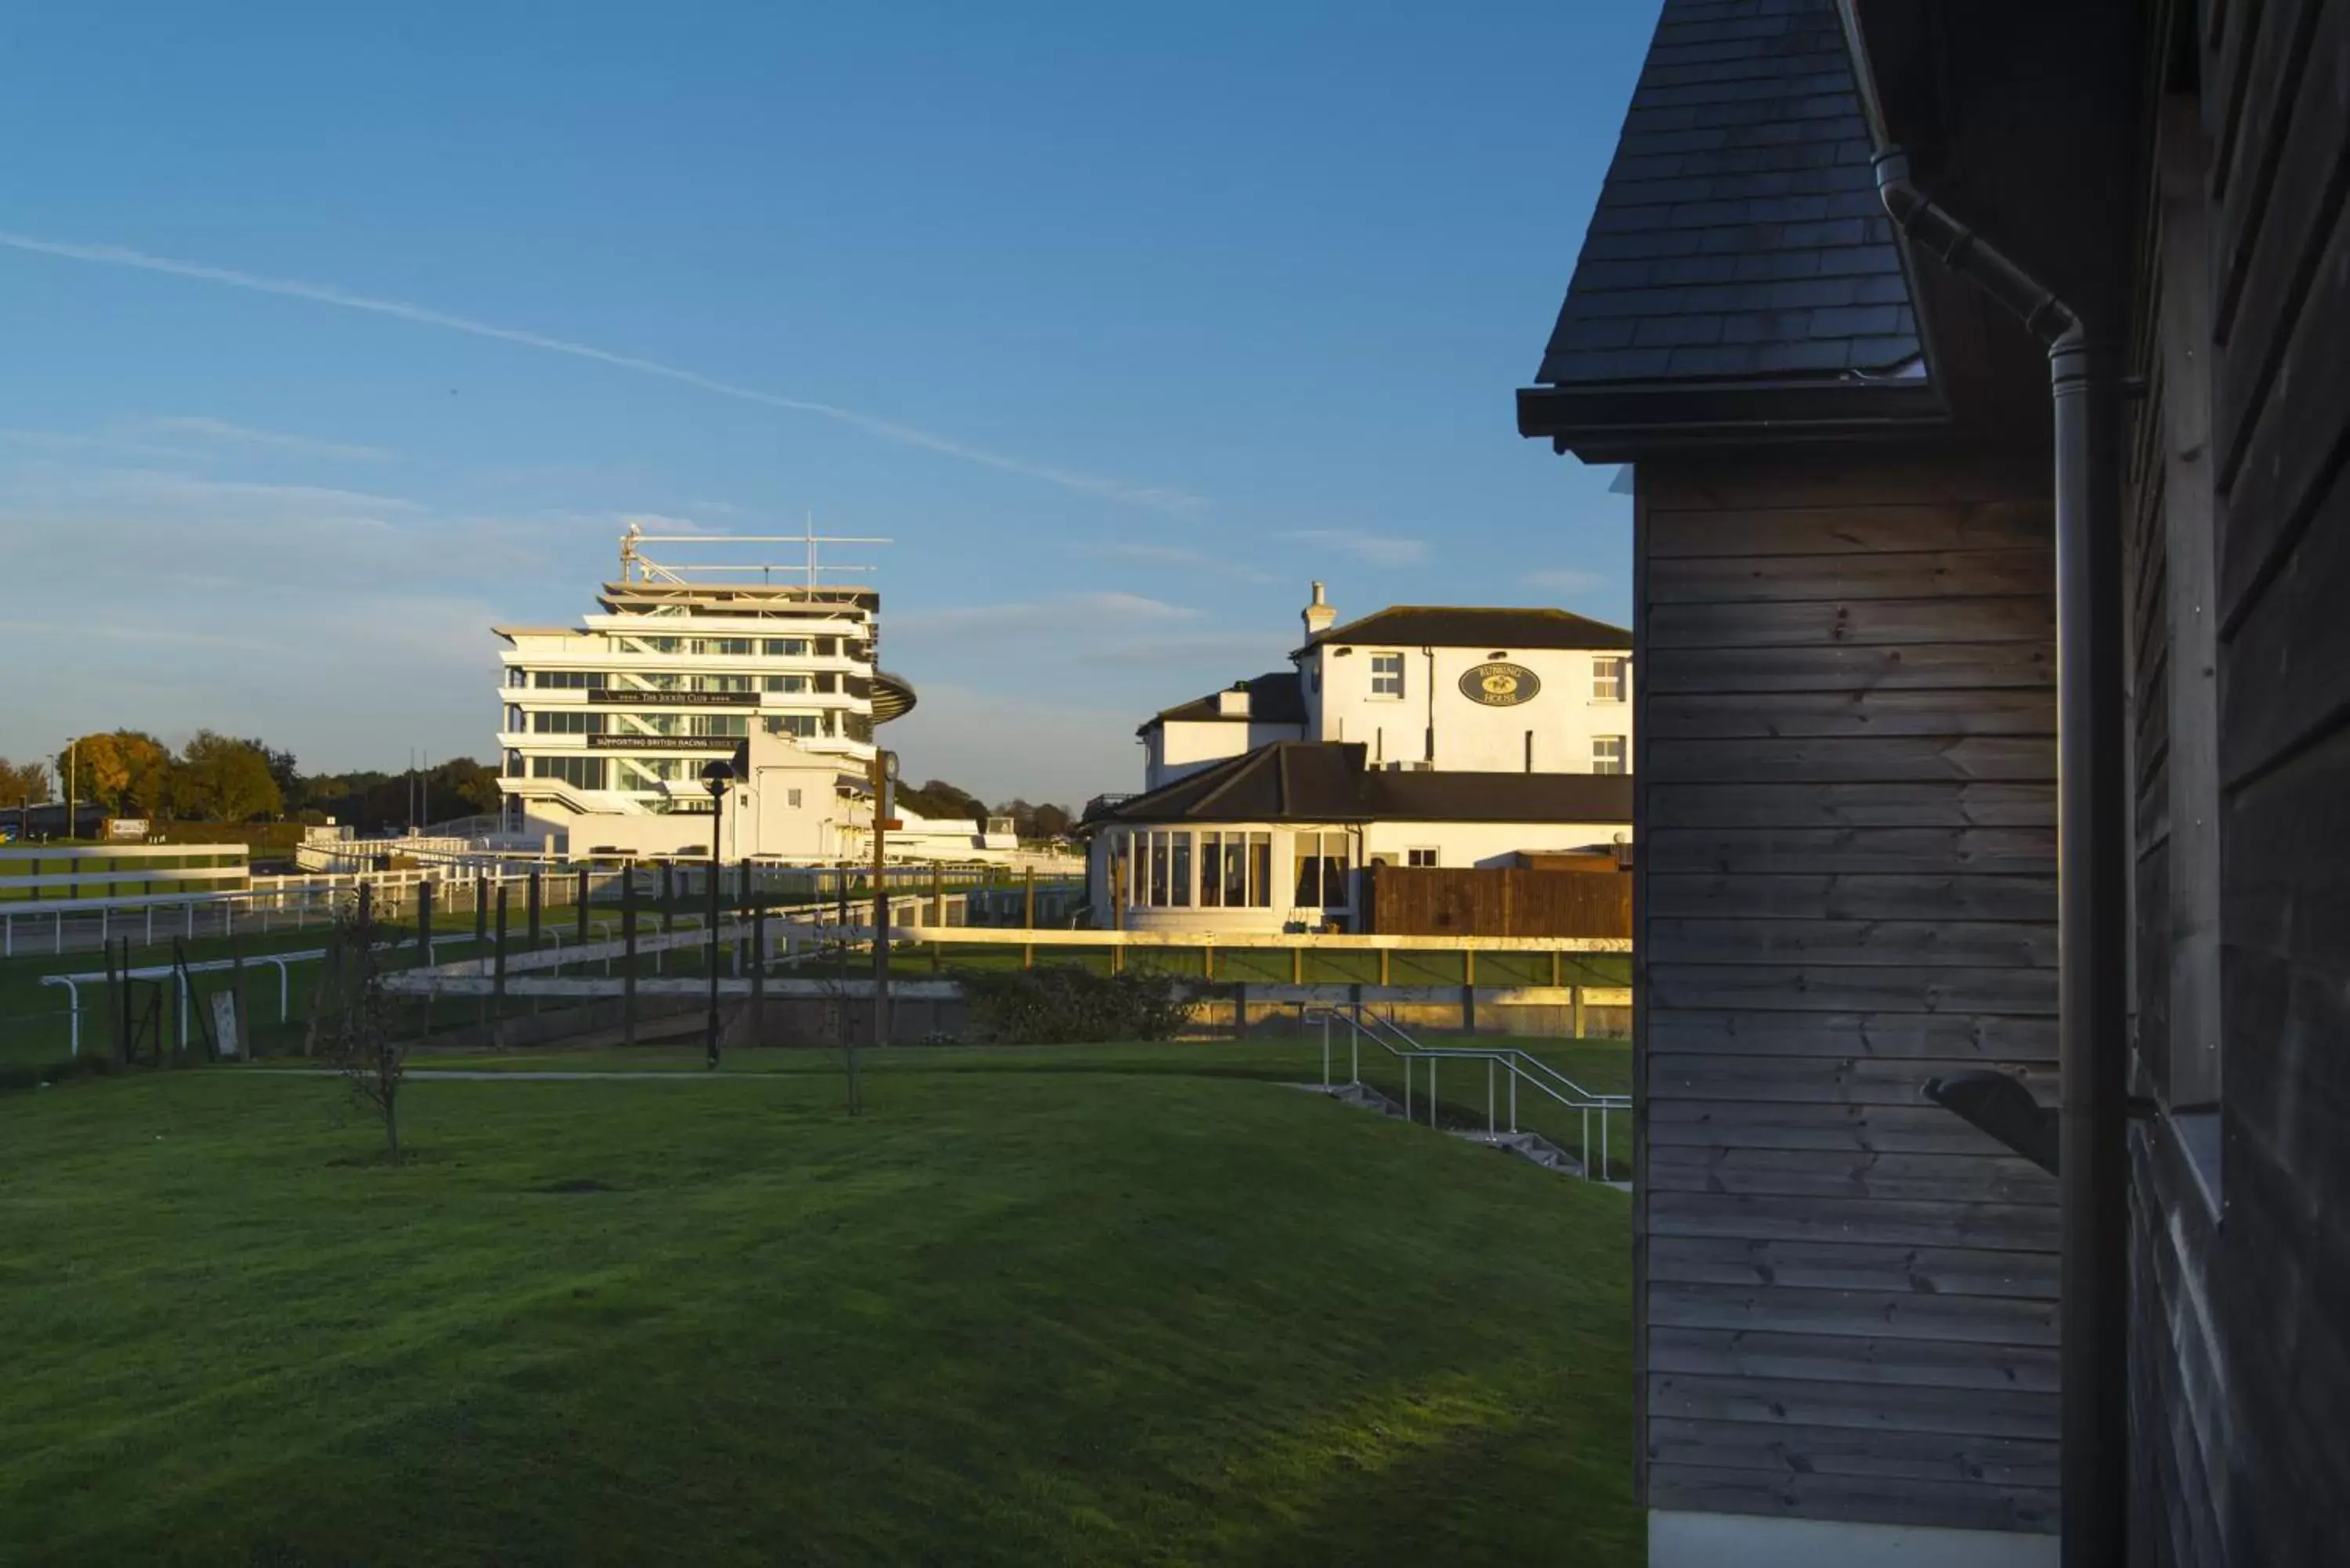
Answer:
(629, 954)
(1555, 977)
(1385, 954)
(1575, 1011)
(938, 894)
(880, 901)
(580, 914)
(114, 1009)
(1468, 966)
(482, 943)
(1207, 960)
(669, 895)
(759, 972)
(534, 899)
(1240, 1010)
(498, 973)
(236, 991)
(424, 923)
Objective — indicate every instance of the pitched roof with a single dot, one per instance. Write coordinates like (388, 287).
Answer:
(1739, 237)
(1277, 696)
(1328, 780)
(1739, 231)
(1430, 625)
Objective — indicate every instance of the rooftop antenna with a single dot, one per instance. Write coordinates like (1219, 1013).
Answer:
(637, 566)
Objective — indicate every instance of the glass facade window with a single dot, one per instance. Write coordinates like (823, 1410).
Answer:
(1174, 868)
(1606, 754)
(567, 680)
(1386, 674)
(789, 683)
(802, 725)
(583, 773)
(1322, 861)
(784, 648)
(517, 676)
(568, 722)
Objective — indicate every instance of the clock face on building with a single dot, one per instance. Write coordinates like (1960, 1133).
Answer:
(1499, 685)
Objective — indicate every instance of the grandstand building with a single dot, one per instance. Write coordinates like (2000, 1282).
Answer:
(607, 725)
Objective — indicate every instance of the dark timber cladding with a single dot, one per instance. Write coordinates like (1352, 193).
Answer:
(2240, 1327)
(1844, 803)
(1845, 886)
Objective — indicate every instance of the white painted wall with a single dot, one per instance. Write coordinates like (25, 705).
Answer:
(1470, 736)
(1177, 748)
(1473, 844)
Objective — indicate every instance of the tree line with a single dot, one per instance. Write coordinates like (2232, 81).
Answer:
(221, 778)
(938, 798)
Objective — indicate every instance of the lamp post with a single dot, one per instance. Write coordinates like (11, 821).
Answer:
(717, 778)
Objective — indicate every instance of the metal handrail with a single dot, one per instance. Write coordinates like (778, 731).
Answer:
(1519, 1063)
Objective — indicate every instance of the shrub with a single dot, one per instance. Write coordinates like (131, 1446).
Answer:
(1065, 1006)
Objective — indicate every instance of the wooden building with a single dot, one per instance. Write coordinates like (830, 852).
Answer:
(1941, 335)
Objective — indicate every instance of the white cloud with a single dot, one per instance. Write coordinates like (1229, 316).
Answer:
(1154, 497)
(1565, 580)
(1377, 549)
(205, 428)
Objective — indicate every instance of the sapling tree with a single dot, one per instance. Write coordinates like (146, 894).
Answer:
(357, 1030)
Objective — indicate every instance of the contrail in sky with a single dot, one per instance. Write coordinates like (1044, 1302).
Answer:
(1163, 500)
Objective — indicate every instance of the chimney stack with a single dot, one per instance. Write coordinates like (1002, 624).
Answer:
(1319, 617)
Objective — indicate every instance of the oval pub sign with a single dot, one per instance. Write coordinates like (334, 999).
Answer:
(1499, 685)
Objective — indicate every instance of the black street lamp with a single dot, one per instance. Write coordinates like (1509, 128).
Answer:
(718, 777)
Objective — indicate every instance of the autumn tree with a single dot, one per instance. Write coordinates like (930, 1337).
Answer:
(220, 779)
(23, 784)
(126, 772)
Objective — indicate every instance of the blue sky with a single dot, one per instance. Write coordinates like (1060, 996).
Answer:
(1124, 323)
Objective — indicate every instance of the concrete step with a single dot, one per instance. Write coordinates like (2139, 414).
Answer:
(1527, 1146)
(1362, 1096)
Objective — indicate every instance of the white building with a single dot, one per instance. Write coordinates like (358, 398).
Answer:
(609, 724)
(1461, 689)
(1273, 840)
(1420, 735)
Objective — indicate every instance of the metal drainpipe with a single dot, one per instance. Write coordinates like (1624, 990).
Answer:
(2092, 907)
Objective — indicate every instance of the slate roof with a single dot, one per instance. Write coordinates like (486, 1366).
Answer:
(1738, 234)
(1433, 626)
(1328, 780)
(1275, 698)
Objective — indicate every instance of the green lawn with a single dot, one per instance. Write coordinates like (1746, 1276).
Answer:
(1128, 1305)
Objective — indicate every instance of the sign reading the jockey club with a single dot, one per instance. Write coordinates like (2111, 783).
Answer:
(1499, 685)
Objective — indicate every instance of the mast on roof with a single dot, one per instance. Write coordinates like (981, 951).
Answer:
(637, 566)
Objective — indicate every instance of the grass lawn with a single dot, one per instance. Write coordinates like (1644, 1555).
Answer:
(1104, 1305)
